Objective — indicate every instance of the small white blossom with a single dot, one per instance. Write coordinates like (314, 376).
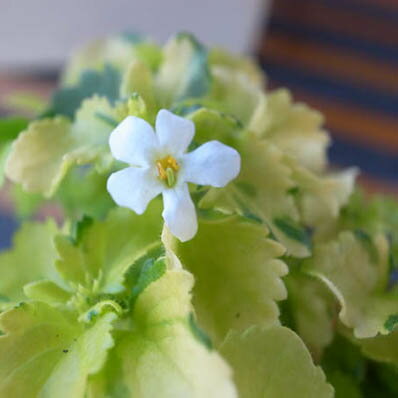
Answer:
(159, 164)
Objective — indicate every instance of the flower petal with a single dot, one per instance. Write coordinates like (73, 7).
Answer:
(213, 163)
(133, 141)
(174, 132)
(134, 187)
(179, 212)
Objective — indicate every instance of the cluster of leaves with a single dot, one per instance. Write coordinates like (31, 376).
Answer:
(289, 273)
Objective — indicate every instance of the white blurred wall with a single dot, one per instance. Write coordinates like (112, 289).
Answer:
(43, 32)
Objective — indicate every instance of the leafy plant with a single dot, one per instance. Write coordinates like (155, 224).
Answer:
(288, 288)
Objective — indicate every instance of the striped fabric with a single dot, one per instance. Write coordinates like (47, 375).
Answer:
(341, 56)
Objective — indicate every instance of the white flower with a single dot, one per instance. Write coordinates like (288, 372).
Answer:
(159, 164)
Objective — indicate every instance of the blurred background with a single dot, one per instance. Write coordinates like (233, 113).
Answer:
(340, 56)
(42, 33)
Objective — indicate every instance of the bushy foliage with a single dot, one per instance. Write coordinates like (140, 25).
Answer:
(287, 290)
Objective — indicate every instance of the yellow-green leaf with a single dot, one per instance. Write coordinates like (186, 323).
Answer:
(46, 353)
(238, 275)
(273, 362)
(356, 272)
(31, 259)
(162, 355)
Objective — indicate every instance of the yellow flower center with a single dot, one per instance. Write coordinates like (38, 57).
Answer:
(167, 167)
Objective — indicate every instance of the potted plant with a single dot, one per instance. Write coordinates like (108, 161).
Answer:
(206, 248)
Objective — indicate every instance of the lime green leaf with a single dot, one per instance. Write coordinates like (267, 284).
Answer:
(31, 259)
(115, 51)
(383, 348)
(83, 192)
(9, 130)
(162, 354)
(184, 71)
(296, 129)
(368, 244)
(273, 362)
(42, 155)
(145, 271)
(266, 172)
(109, 382)
(138, 80)
(213, 125)
(67, 100)
(46, 291)
(313, 311)
(45, 352)
(378, 214)
(106, 249)
(199, 333)
(185, 108)
(71, 263)
(359, 284)
(236, 94)
(134, 106)
(361, 213)
(149, 53)
(238, 63)
(118, 51)
(89, 127)
(232, 255)
(293, 230)
(37, 156)
(321, 198)
(237, 88)
(102, 305)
